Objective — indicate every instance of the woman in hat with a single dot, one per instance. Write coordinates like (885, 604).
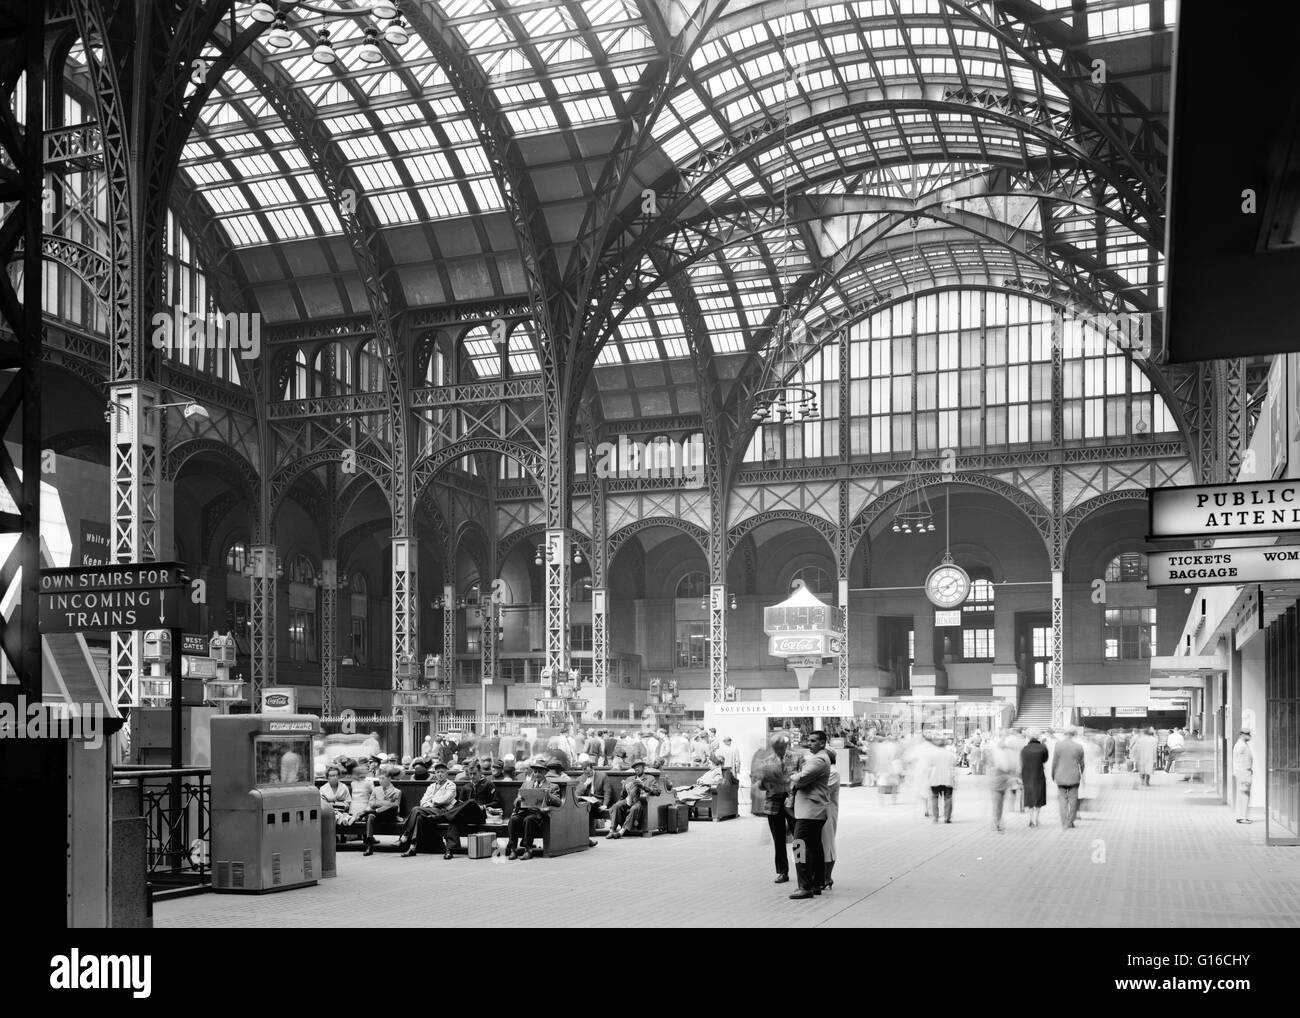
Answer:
(1033, 776)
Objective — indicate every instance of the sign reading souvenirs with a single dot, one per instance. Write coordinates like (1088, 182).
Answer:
(1225, 510)
(130, 596)
(1224, 566)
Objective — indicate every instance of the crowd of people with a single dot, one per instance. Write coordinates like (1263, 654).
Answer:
(359, 790)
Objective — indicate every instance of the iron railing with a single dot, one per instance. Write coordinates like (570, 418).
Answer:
(177, 807)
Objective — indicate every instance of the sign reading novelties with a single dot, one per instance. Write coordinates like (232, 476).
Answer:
(1225, 510)
(1223, 566)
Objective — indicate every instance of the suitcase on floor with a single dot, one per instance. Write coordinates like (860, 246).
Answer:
(481, 845)
(674, 818)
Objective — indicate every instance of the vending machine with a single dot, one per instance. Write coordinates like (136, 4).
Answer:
(266, 828)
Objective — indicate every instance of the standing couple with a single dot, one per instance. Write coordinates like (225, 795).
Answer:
(815, 813)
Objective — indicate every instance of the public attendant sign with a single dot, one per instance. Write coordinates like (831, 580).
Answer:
(1225, 510)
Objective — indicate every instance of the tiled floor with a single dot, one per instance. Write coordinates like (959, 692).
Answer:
(1169, 855)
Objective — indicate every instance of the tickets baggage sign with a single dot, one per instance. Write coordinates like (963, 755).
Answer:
(1223, 566)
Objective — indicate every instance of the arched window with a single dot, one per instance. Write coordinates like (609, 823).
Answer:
(482, 356)
(969, 370)
(815, 580)
(301, 570)
(359, 627)
(342, 382)
(1127, 567)
(977, 618)
(295, 387)
(694, 584)
(237, 557)
(370, 376)
(301, 575)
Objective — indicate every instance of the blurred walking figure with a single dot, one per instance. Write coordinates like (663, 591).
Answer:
(810, 801)
(1107, 753)
(916, 770)
(1174, 745)
(774, 783)
(942, 779)
(1243, 769)
(1033, 775)
(832, 819)
(1143, 752)
(1067, 773)
(1002, 764)
(975, 752)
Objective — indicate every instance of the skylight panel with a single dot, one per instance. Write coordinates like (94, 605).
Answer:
(377, 176)
(444, 201)
(244, 230)
(393, 207)
(533, 120)
(641, 351)
(428, 169)
(290, 222)
(487, 194)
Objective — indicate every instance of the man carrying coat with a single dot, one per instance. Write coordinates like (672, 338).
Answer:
(810, 801)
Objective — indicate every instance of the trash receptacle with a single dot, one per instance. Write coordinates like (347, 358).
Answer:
(327, 846)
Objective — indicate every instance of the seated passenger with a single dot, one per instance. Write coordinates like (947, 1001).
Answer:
(420, 769)
(527, 822)
(596, 790)
(439, 805)
(637, 790)
(705, 785)
(362, 790)
(337, 797)
(480, 787)
(385, 802)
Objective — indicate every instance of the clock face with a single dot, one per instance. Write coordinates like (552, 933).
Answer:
(947, 585)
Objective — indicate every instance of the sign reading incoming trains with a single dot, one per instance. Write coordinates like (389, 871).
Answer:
(1225, 510)
(129, 596)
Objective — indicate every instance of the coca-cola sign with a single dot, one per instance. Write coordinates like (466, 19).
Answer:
(810, 645)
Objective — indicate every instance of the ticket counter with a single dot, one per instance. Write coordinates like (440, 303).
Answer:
(266, 824)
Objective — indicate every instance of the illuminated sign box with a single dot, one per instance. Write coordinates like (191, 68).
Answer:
(1225, 510)
(1223, 566)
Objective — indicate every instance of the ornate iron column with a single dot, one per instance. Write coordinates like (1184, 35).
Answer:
(406, 610)
(20, 344)
(717, 642)
(329, 623)
(134, 473)
(555, 567)
(448, 677)
(599, 592)
(261, 598)
(488, 645)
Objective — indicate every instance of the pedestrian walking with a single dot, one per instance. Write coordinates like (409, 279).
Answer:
(942, 779)
(1067, 773)
(1143, 752)
(1243, 770)
(1033, 776)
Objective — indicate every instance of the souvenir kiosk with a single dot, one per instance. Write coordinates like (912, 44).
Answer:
(266, 832)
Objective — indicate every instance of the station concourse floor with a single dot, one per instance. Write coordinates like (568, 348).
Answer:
(1165, 856)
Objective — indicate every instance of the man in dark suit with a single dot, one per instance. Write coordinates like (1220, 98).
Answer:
(594, 785)
(636, 793)
(1067, 773)
(811, 798)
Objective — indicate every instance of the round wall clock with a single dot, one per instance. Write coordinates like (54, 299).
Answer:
(947, 585)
